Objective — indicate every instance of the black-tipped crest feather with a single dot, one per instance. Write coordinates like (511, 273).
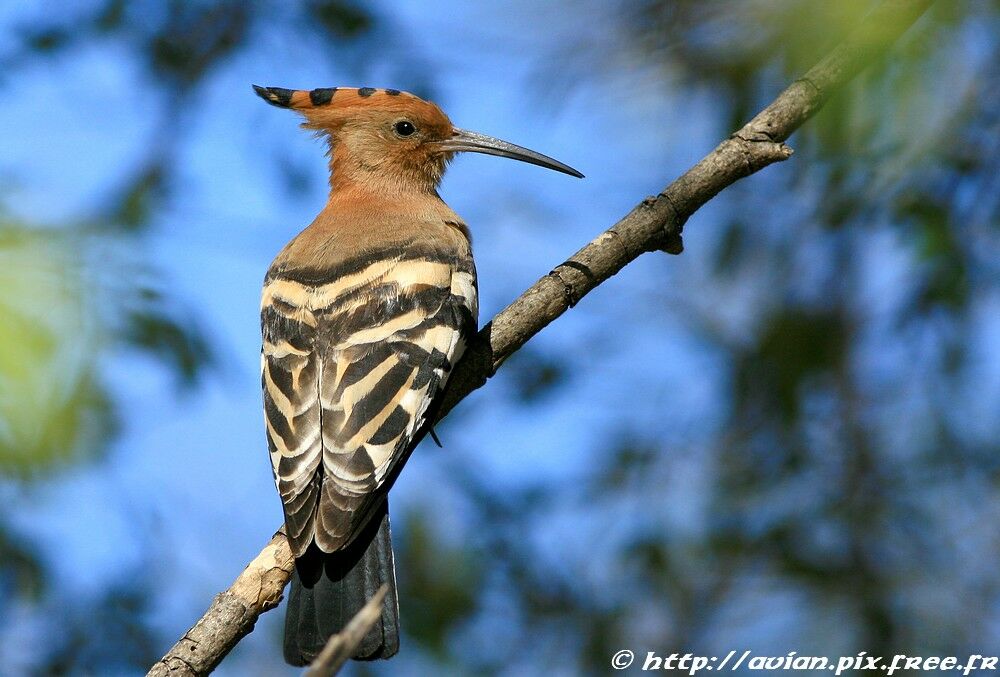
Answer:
(276, 96)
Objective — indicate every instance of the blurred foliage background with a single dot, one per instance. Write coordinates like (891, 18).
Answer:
(787, 439)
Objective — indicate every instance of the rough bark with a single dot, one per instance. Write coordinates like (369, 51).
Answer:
(655, 224)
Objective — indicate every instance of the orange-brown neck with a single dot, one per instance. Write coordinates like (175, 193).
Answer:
(356, 163)
(372, 202)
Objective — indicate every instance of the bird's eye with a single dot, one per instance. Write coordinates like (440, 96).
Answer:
(404, 128)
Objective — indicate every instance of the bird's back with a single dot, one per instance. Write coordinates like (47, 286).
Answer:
(363, 315)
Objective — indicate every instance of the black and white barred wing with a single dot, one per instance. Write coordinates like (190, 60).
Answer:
(349, 370)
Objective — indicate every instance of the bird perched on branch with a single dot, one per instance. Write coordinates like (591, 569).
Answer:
(363, 315)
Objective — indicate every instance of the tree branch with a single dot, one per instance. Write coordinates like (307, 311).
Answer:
(655, 224)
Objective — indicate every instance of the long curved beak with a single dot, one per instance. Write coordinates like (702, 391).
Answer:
(473, 142)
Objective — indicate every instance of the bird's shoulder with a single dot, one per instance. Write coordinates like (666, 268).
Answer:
(343, 240)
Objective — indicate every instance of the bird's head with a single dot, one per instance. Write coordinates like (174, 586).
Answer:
(387, 138)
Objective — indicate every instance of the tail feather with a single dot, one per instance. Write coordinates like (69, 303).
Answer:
(328, 589)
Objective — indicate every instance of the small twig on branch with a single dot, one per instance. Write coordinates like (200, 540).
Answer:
(655, 224)
(341, 646)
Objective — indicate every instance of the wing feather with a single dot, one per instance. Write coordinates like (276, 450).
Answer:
(350, 369)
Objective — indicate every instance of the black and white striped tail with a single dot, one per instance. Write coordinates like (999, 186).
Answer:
(328, 589)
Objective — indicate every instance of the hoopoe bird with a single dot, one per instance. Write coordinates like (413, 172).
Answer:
(363, 315)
